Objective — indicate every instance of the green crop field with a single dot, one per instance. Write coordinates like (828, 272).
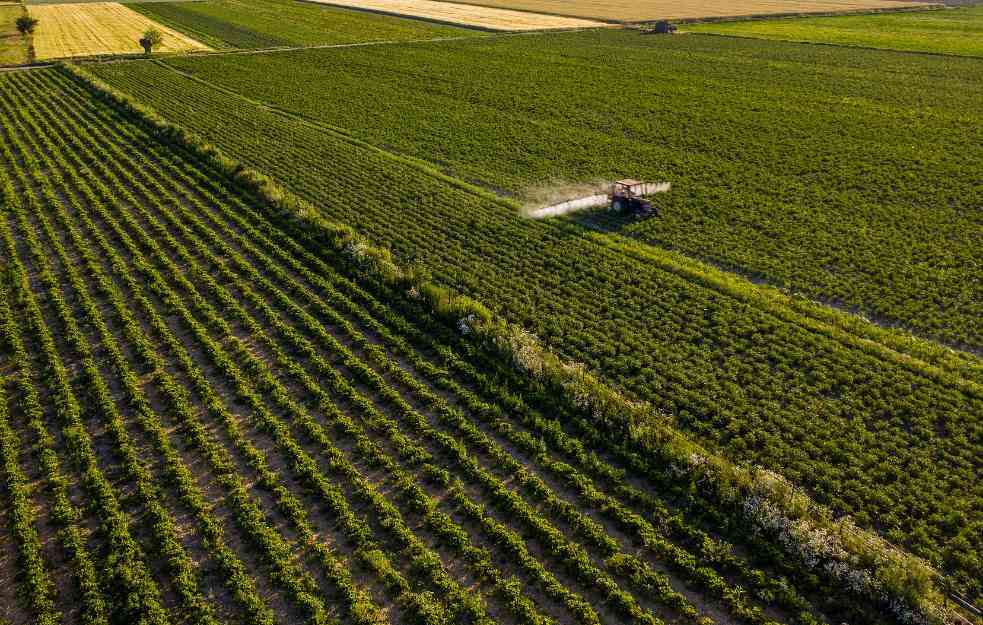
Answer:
(279, 23)
(849, 176)
(207, 415)
(886, 434)
(951, 31)
(284, 340)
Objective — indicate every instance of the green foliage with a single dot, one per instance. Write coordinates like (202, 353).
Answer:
(825, 171)
(280, 23)
(151, 38)
(950, 31)
(727, 484)
(26, 24)
(206, 324)
(856, 423)
(274, 427)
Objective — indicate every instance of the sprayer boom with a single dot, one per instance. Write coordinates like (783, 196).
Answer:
(624, 196)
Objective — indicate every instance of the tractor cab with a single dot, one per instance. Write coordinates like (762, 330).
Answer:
(626, 198)
(664, 28)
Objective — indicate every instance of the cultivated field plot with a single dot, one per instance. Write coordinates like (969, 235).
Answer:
(791, 190)
(68, 30)
(954, 31)
(13, 47)
(647, 10)
(274, 23)
(202, 420)
(885, 433)
(466, 15)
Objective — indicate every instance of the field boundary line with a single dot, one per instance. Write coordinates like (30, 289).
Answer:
(830, 44)
(920, 355)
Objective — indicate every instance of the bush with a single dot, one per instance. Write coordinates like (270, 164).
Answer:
(151, 38)
(26, 24)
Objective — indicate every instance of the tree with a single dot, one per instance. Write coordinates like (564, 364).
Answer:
(26, 24)
(151, 38)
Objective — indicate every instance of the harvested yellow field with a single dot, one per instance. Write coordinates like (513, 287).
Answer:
(466, 14)
(647, 10)
(65, 30)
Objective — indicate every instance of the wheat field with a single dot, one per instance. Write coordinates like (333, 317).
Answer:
(645, 10)
(466, 14)
(68, 30)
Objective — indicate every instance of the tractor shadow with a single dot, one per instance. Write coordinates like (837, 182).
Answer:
(605, 220)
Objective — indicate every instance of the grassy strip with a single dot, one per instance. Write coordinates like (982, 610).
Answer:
(901, 582)
(14, 48)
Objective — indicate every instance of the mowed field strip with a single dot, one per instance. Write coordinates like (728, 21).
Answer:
(645, 10)
(466, 14)
(66, 30)
(13, 47)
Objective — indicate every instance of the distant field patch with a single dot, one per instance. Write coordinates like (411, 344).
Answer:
(955, 31)
(33, 2)
(466, 14)
(646, 10)
(276, 23)
(13, 47)
(66, 30)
